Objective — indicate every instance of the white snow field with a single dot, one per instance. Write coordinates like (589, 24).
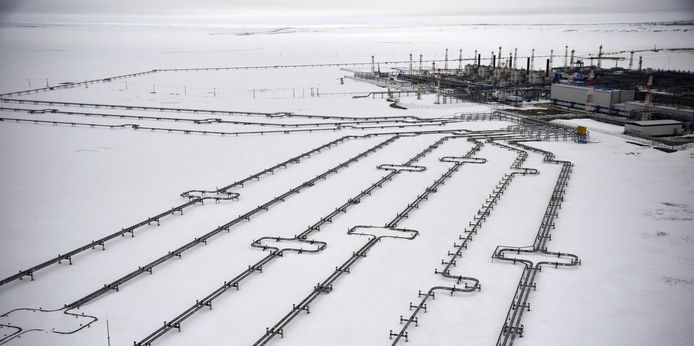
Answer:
(474, 233)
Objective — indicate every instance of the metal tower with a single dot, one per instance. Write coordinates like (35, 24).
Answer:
(648, 102)
(410, 64)
(445, 63)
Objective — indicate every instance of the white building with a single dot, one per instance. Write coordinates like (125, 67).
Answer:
(604, 100)
(654, 127)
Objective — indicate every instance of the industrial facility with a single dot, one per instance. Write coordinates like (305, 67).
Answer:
(603, 100)
(617, 95)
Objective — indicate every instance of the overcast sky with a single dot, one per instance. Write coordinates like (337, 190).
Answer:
(359, 11)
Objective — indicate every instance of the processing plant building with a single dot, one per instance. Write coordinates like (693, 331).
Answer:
(654, 128)
(604, 100)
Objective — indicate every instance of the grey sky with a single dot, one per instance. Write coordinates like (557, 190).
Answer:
(638, 9)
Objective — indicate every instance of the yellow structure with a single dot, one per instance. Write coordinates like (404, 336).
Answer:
(581, 130)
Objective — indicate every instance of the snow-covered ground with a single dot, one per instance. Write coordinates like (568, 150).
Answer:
(628, 212)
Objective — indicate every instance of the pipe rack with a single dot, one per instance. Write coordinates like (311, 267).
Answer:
(276, 252)
(327, 285)
(474, 226)
(401, 122)
(19, 331)
(512, 326)
(192, 201)
(102, 241)
(226, 227)
(162, 129)
(405, 118)
(137, 127)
